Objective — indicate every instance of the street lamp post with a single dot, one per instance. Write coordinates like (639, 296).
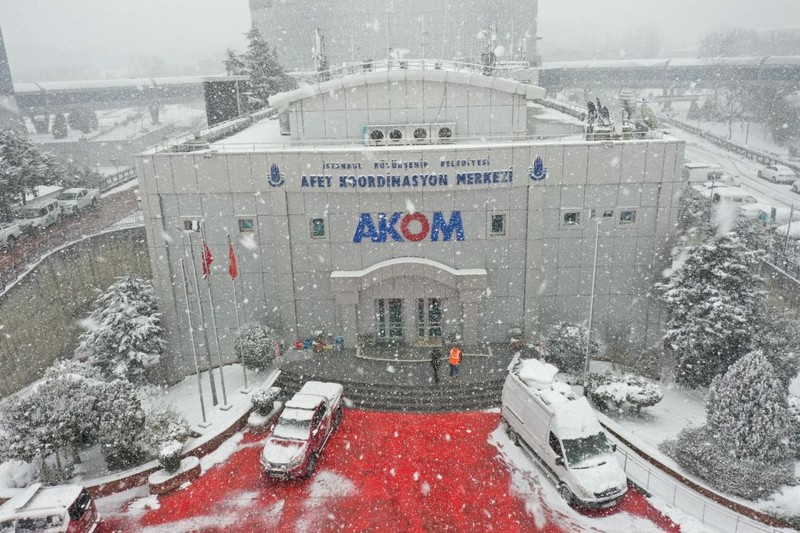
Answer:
(591, 301)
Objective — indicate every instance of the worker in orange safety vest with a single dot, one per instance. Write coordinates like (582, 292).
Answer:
(455, 359)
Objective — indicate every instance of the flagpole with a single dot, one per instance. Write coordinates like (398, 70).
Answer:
(214, 400)
(194, 348)
(245, 390)
(224, 405)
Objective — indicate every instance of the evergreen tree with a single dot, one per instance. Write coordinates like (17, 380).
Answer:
(60, 126)
(260, 62)
(747, 409)
(711, 307)
(120, 423)
(22, 167)
(566, 348)
(124, 335)
(777, 335)
(234, 64)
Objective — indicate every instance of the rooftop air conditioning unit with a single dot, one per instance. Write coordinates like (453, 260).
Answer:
(418, 134)
(396, 135)
(443, 133)
(375, 135)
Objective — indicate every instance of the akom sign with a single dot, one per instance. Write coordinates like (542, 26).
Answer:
(413, 227)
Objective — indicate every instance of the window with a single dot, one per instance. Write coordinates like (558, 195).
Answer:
(554, 444)
(317, 228)
(608, 213)
(191, 224)
(498, 225)
(247, 225)
(627, 216)
(572, 218)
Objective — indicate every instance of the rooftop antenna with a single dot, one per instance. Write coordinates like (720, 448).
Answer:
(320, 59)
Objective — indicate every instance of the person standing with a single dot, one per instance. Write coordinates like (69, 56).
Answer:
(455, 359)
(436, 362)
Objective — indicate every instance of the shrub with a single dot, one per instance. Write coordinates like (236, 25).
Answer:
(255, 346)
(608, 391)
(263, 399)
(170, 456)
(163, 425)
(698, 450)
(794, 408)
(566, 348)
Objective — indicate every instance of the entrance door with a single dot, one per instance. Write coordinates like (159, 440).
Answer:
(429, 319)
(390, 318)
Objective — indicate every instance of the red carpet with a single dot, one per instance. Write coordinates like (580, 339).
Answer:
(380, 472)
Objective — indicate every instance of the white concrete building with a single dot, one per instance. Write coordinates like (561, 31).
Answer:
(453, 219)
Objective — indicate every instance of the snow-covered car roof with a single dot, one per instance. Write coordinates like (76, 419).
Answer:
(330, 390)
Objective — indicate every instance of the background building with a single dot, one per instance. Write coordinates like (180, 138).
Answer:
(357, 30)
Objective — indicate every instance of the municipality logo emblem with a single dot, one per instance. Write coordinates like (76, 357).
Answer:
(275, 178)
(538, 170)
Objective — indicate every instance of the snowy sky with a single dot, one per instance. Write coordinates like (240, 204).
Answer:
(80, 39)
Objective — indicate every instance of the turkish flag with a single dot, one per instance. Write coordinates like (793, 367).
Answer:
(207, 260)
(232, 257)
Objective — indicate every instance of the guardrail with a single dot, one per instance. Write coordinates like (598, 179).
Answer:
(682, 493)
(411, 64)
(756, 155)
(109, 182)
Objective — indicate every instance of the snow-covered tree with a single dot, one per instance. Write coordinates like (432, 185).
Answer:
(120, 422)
(22, 167)
(747, 446)
(162, 425)
(260, 62)
(778, 336)
(711, 306)
(794, 409)
(566, 347)
(630, 391)
(124, 334)
(255, 346)
(60, 126)
(747, 408)
(694, 211)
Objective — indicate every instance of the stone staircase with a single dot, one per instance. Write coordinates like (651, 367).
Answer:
(446, 396)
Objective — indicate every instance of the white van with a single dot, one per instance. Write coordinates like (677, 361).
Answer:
(559, 428)
(38, 215)
(701, 172)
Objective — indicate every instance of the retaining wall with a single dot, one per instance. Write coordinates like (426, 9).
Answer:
(40, 314)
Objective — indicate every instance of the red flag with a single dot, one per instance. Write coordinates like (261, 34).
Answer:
(207, 260)
(232, 257)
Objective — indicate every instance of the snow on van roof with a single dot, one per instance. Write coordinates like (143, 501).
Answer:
(575, 418)
(536, 371)
(304, 401)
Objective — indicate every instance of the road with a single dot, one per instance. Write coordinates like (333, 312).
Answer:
(110, 209)
(699, 150)
(382, 472)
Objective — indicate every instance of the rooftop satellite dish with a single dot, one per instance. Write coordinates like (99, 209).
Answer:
(649, 116)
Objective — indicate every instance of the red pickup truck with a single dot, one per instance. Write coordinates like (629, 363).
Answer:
(307, 422)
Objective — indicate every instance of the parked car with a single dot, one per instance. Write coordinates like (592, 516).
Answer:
(72, 201)
(778, 174)
(38, 215)
(560, 430)
(308, 420)
(64, 508)
(796, 186)
(9, 235)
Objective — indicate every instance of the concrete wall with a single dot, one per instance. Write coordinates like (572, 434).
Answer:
(39, 315)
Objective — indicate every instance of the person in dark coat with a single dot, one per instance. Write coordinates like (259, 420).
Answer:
(436, 361)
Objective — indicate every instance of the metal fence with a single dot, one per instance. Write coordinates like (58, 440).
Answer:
(655, 481)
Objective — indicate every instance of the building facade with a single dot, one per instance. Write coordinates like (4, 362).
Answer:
(410, 205)
(374, 29)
